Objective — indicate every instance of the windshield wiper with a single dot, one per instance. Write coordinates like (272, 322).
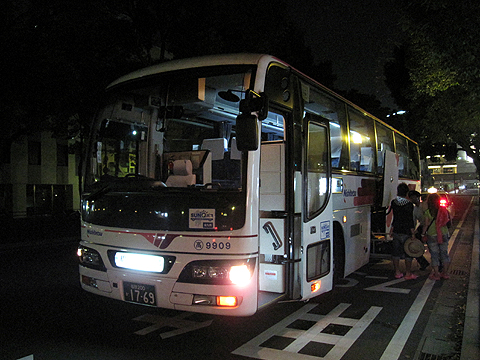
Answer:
(99, 193)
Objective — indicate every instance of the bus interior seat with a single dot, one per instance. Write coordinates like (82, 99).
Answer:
(216, 147)
(182, 174)
(335, 163)
(235, 154)
(225, 164)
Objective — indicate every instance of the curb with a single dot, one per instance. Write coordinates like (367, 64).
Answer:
(471, 341)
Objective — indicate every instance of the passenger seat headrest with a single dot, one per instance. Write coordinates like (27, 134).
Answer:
(182, 167)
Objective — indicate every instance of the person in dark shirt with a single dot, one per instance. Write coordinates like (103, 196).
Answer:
(403, 228)
(418, 221)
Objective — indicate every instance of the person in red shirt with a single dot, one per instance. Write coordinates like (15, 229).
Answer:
(436, 221)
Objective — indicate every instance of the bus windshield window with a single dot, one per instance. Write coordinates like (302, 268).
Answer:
(173, 133)
(148, 129)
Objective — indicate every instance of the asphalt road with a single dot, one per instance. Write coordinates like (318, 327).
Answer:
(45, 315)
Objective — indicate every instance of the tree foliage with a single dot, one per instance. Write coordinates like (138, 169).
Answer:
(440, 80)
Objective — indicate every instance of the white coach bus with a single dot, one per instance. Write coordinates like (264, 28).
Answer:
(225, 183)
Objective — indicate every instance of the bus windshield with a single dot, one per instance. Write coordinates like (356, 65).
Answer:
(162, 145)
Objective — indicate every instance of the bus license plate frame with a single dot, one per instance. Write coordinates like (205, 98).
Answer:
(137, 293)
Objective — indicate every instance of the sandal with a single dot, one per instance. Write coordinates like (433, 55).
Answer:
(445, 276)
(433, 277)
(398, 276)
(411, 277)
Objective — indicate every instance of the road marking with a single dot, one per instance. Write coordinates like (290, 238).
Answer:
(385, 287)
(350, 283)
(300, 340)
(179, 322)
(399, 340)
(29, 357)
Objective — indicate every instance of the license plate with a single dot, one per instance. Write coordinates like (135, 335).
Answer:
(139, 293)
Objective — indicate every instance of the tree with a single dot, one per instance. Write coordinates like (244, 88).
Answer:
(442, 58)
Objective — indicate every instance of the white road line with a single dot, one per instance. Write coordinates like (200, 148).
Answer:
(385, 287)
(399, 340)
(340, 343)
(179, 322)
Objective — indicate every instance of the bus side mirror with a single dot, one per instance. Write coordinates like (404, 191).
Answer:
(255, 102)
(247, 132)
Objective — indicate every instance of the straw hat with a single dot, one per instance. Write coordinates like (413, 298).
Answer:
(414, 247)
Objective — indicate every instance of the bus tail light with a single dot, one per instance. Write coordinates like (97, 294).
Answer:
(443, 203)
(316, 286)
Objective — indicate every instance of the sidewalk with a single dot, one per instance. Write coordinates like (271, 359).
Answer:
(39, 231)
(444, 330)
(471, 335)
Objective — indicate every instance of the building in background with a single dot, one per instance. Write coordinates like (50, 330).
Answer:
(39, 177)
(453, 175)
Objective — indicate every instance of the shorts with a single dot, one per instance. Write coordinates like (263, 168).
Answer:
(398, 251)
(438, 252)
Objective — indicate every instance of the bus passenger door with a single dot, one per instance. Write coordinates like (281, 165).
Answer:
(272, 232)
(390, 183)
(316, 265)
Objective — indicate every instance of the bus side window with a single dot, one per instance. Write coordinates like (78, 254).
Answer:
(322, 104)
(362, 136)
(384, 143)
(402, 152)
(317, 168)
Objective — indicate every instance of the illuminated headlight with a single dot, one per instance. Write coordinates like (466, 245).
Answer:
(160, 264)
(90, 258)
(239, 275)
(140, 262)
(236, 272)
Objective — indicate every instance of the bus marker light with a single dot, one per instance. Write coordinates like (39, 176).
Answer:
(316, 286)
(227, 301)
(344, 219)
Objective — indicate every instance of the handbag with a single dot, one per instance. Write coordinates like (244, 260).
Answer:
(425, 236)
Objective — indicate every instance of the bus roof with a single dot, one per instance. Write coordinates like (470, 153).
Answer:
(204, 61)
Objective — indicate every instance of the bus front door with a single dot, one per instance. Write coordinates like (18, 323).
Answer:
(316, 263)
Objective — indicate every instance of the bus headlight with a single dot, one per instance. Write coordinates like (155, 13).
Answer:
(90, 258)
(240, 275)
(218, 272)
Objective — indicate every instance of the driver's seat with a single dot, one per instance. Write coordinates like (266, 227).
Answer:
(182, 175)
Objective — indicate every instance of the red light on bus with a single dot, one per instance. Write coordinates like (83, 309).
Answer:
(316, 286)
(227, 301)
(443, 202)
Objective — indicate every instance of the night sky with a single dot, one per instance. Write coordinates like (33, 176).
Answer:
(357, 36)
